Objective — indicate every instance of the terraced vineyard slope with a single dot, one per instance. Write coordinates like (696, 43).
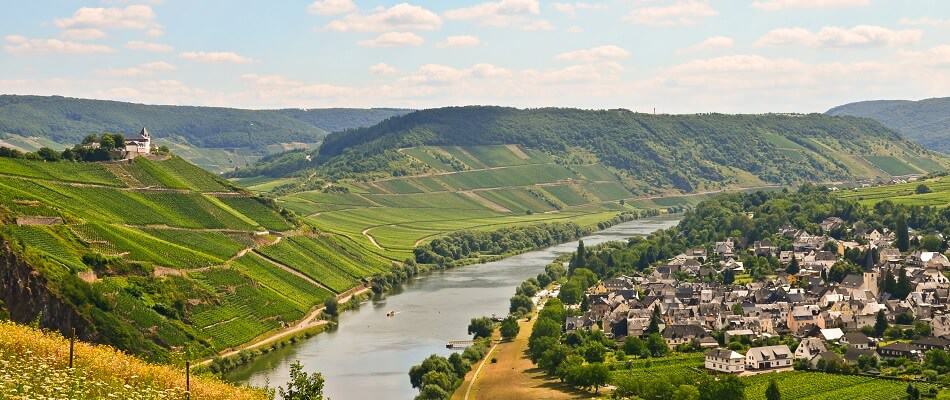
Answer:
(156, 256)
(933, 192)
(469, 188)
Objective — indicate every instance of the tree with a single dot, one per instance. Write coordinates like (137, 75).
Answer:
(728, 387)
(728, 276)
(793, 267)
(107, 142)
(772, 393)
(903, 239)
(633, 346)
(481, 327)
(922, 189)
(656, 345)
(880, 323)
(932, 243)
(655, 321)
(580, 257)
(48, 154)
(302, 386)
(912, 392)
(686, 392)
(432, 363)
(509, 328)
(904, 286)
(888, 284)
(520, 304)
(331, 307)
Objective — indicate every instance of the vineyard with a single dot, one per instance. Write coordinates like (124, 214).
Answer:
(905, 193)
(157, 245)
(818, 385)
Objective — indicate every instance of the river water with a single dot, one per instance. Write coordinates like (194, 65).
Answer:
(369, 355)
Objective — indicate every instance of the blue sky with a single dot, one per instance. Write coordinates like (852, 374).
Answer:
(679, 56)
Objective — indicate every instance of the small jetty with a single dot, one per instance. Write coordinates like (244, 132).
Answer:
(459, 344)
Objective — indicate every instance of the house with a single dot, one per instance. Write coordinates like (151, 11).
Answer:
(856, 340)
(827, 357)
(804, 315)
(899, 349)
(831, 223)
(739, 333)
(931, 343)
(140, 145)
(764, 248)
(853, 354)
(768, 357)
(725, 249)
(809, 348)
(832, 334)
(682, 333)
(725, 360)
(940, 325)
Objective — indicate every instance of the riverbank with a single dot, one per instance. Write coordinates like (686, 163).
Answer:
(512, 375)
(367, 345)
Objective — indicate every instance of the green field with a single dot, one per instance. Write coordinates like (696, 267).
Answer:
(904, 193)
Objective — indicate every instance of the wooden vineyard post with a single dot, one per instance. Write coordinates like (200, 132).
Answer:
(72, 343)
(187, 380)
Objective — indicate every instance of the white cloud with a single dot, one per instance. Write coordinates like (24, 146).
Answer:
(679, 13)
(331, 7)
(17, 44)
(776, 5)
(520, 14)
(926, 21)
(595, 54)
(383, 69)
(572, 8)
(158, 92)
(711, 43)
(400, 17)
(437, 74)
(140, 70)
(148, 46)
(277, 88)
(215, 57)
(394, 39)
(575, 29)
(459, 41)
(82, 34)
(837, 37)
(140, 17)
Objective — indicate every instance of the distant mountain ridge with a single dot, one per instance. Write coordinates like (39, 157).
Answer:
(925, 121)
(64, 121)
(653, 152)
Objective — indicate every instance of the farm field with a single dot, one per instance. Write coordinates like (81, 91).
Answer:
(904, 193)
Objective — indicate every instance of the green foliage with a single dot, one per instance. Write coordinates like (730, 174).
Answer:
(302, 386)
(509, 328)
(772, 393)
(481, 327)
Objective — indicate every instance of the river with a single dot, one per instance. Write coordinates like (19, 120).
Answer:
(369, 355)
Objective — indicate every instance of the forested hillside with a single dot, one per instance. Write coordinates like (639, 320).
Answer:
(157, 255)
(213, 137)
(682, 152)
(926, 121)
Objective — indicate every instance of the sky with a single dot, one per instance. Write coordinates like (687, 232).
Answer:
(672, 56)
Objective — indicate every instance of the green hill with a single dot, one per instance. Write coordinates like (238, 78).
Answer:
(926, 121)
(415, 178)
(157, 255)
(215, 138)
(651, 153)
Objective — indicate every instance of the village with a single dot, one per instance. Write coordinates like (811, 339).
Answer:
(802, 317)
